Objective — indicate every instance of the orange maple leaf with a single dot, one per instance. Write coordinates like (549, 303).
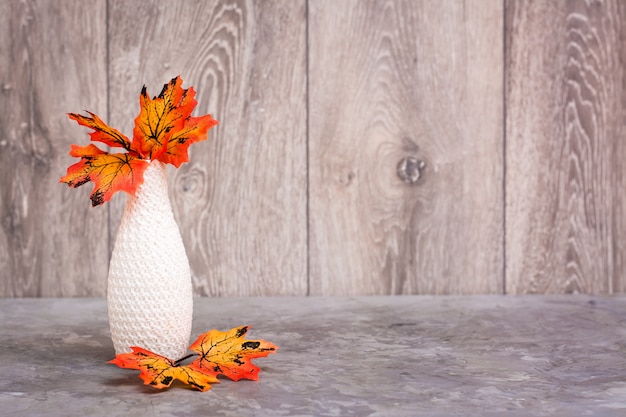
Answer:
(102, 132)
(159, 371)
(218, 353)
(163, 130)
(109, 172)
(229, 354)
(194, 130)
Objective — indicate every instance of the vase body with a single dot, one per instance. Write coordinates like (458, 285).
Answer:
(149, 290)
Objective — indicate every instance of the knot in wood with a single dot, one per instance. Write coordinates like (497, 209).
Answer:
(410, 169)
(345, 176)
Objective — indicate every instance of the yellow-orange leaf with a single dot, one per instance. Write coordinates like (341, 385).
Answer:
(194, 130)
(108, 172)
(229, 354)
(164, 128)
(218, 353)
(159, 371)
(102, 132)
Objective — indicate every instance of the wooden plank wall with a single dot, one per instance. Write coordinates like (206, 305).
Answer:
(566, 147)
(365, 146)
(241, 201)
(405, 180)
(53, 59)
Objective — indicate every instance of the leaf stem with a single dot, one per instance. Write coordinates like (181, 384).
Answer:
(184, 358)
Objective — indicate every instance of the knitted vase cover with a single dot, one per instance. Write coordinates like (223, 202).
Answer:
(149, 297)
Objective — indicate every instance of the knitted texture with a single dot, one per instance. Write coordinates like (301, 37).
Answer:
(149, 297)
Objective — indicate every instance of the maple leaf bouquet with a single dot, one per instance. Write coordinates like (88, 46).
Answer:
(149, 294)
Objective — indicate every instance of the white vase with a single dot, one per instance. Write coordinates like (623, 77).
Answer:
(150, 298)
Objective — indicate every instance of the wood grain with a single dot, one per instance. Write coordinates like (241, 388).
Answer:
(406, 147)
(406, 171)
(241, 201)
(566, 86)
(52, 243)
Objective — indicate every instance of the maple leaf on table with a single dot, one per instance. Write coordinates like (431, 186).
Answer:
(163, 131)
(229, 354)
(159, 371)
(218, 353)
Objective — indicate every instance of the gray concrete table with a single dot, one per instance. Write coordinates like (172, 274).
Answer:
(366, 356)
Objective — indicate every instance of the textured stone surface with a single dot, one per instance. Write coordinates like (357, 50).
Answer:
(375, 356)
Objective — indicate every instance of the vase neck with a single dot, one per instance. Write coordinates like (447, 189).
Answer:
(154, 181)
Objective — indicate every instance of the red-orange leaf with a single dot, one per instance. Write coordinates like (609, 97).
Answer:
(194, 130)
(159, 371)
(102, 132)
(218, 353)
(164, 128)
(109, 172)
(229, 354)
